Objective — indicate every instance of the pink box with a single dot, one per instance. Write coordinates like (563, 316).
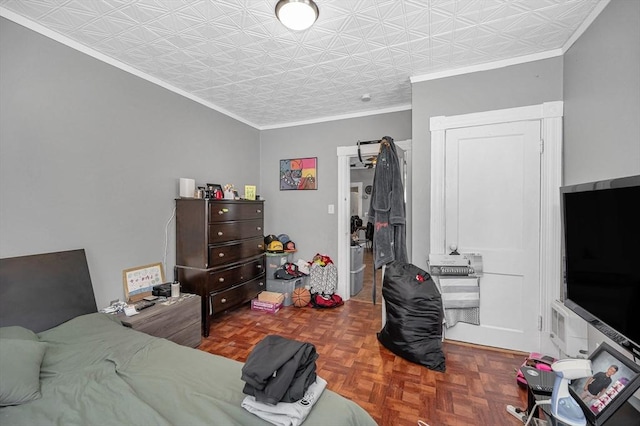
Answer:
(258, 305)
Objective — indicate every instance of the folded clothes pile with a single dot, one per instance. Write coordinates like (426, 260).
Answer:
(280, 380)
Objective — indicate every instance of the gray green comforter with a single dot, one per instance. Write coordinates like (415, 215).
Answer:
(97, 372)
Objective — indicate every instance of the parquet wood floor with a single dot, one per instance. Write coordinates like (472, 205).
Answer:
(475, 389)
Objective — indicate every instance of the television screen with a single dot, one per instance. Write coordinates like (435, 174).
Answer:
(601, 230)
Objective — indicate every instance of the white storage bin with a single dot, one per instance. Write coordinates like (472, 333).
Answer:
(357, 257)
(275, 261)
(285, 287)
(357, 279)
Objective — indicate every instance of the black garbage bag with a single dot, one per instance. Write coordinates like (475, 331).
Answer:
(413, 329)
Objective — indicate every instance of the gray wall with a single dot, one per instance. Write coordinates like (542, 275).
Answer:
(515, 86)
(90, 157)
(602, 104)
(602, 97)
(303, 214)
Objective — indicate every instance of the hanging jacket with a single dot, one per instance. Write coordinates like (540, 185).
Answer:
(279, 370)
(387, 208)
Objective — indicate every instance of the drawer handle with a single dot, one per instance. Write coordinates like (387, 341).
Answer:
(220, 233)
(260, 246)
(259, 228)
(220, 212)
(220, 254)
(261, 284)
(223, 301)
(259, 266)
(258, 211)
(220, 280)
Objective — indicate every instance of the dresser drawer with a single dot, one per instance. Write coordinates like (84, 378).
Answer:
(222, 212)
(221, 301)
(229, 231)
(220, 255)
(219, 280)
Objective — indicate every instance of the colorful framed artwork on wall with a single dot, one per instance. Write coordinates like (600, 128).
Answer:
(299, 174)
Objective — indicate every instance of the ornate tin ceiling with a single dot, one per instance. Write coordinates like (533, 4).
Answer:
(236, 57)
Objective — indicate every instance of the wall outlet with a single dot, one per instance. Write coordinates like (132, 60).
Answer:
(331, 209)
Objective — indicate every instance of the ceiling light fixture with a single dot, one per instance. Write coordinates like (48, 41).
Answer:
(297, 15)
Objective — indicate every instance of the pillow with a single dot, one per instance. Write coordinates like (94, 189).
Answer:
(17, 332)
(20, 362)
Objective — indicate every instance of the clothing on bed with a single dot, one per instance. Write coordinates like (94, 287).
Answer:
(287, 413)
(279, 370)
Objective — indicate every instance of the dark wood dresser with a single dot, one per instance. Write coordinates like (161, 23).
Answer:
(220, 252)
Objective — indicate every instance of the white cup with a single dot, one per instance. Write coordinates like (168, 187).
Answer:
(175, 289)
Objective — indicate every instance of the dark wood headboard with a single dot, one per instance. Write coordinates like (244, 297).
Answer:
(41, 291)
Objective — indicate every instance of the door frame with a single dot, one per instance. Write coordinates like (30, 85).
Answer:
(550, 114)
(345, 153)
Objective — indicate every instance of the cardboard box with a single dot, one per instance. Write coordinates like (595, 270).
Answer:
(270, 296)
(272, 308)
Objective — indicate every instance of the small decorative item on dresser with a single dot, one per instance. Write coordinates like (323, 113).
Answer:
(214, 190)
(229, 193)
(250, 192)
(187, 187)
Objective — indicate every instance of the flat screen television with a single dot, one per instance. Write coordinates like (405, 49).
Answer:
(601, 236)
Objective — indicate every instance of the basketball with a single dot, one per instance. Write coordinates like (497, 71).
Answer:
(301, 297)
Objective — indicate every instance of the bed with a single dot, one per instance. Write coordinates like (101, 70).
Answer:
(71, 365)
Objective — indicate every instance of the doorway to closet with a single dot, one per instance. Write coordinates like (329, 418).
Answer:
(362, 253)
(345, 154)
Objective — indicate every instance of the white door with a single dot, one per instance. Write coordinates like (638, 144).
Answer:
(492, 198)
